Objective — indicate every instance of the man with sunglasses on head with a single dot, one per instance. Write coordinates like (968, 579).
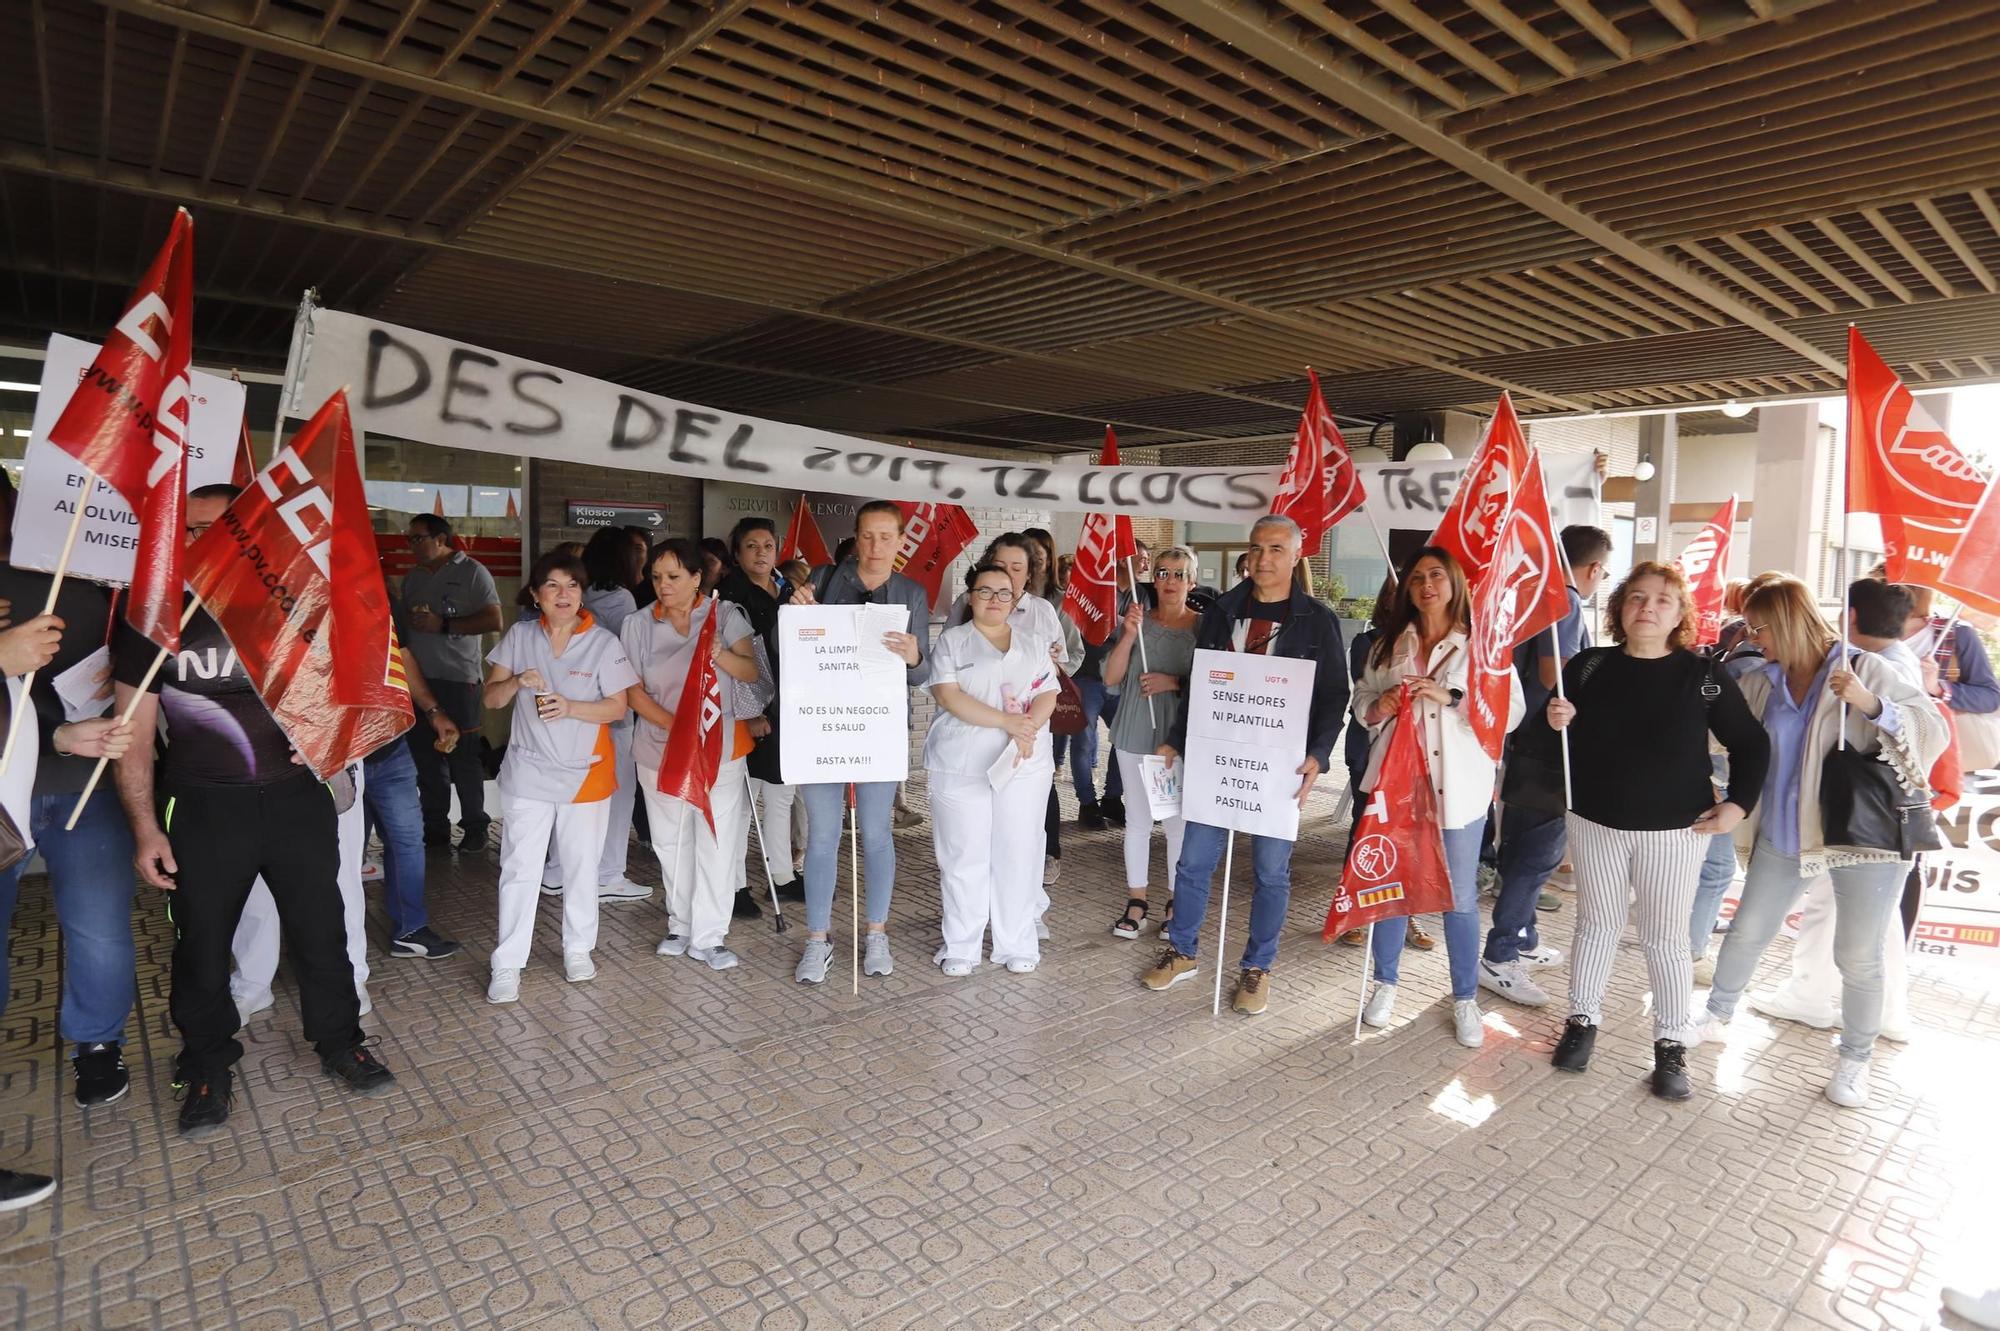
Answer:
(449, 601)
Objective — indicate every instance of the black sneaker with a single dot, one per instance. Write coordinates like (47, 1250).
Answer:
(1090, 818)
(100, 1074)
(1573, 1051)
(745, 905)
(424, 942)
(18, 1189)
(792, 889)
(1112, 809)
(358, 1068)
(1670, 1077)
(204, 1106)
(438, 838)
(472, 836)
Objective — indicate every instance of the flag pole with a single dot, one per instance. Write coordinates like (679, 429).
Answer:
(145, 685)
(1367, 956)
(1555, 649)
(1145, 666)
(854, 847)
(1846, 521)
(764, 854)
(1381, 538)
(1222, 922)
(49, 607)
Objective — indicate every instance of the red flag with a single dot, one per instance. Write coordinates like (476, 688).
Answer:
(128, 423)
(246, 459)
(1522, 591)
(1902, 468)
(933, 536)
(1471, 525)
(325, 664)
(1397, 867)
(1091, 598)
(1319, 486)
(802, 538)
(693, 754)
(1705, 562)
(1973, 574)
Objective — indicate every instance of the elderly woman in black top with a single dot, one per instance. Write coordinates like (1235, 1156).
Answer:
(1643, 808)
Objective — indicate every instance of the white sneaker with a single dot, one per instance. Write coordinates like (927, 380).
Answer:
(578, 967)
(623, 889)
(1849, 1087)
(875, 958)
(1777, 1003)
(1704, 972)
(250, 1004)
(551, 887)
(367, 1004)
(1022, 965)
(719, 958)
(1051, 870)
(1467, 1024)
(813, 962)
(1981, 1307)
(1042, 927)
(1509, 979)
(506, 985)
(956, 967)
(371, 871)
(1541, 958)
(1381, 1005)
(1713, 1030)
(673, 945)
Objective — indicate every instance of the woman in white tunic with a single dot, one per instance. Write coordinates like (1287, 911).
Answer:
(558, 776)
(699, 862)
(995, 686)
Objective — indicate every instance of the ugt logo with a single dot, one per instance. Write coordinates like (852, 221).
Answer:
(1921, 458)
(1374, 857)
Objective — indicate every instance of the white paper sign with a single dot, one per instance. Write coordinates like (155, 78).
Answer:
(843, 699)
(1163, 786)
(85, 688)
(1960, 919)
(51, 480)
(1247, 718)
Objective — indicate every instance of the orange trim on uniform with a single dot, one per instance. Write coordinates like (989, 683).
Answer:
(740, 742)
(601, 780)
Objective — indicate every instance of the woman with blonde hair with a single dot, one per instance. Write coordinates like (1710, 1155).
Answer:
(1643, 809)
(1814, 694)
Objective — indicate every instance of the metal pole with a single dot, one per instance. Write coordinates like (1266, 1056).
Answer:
(1145, 666)
(1222, 922)
(1367, 956)
(854, 845)
(764, 854)
(1555, 644)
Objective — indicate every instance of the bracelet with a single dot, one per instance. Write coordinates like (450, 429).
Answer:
(444, 625)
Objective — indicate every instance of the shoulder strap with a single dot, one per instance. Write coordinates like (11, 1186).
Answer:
(1588, 666)
(1710, 690)
(821, 581)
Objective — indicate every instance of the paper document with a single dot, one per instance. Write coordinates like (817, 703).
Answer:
(1003, 768)
(1163, 786)
(871, 621)
(85, 688)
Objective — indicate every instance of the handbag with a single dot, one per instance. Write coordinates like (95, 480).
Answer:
(1068, 718)
(1862, 803)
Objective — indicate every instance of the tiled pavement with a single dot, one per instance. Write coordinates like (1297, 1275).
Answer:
(667, 1146)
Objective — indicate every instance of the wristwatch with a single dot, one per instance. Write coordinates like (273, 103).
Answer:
(1457, 697)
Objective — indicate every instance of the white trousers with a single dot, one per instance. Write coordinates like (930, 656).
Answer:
(774, 806)
(578, 831)
(989, 852)
(701, 868)
(1139, 827)
(618, 832)
(1814, 982)
(1660, 871)
(255, 944)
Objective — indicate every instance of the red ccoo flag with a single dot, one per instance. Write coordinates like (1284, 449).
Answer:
(1320, 485)
(1705, 562)
(1523, 590)
(933, 536)
(802, 538)
(693, 755)
(325, 664)
(1397, 866)
(128, 424)
(1903, 469)
(1471, 525)
(1091, 598)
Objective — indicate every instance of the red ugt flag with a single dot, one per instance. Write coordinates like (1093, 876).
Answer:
(1705, 562)
(802, 538)
(933, 536)
(128, 423)
(1522, 591)
(693, 754)
(1973, 575)
(1397, 867)
(1902, 468)
(1471, 525)
(1091, 598)
(323, 660)
(1319, 486)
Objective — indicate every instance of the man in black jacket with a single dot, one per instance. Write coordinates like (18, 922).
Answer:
(1266, 615)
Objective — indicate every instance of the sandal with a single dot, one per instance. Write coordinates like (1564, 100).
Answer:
(1166, 916)
(1128, 925)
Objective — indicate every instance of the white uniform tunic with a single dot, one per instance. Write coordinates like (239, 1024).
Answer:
(989, 843)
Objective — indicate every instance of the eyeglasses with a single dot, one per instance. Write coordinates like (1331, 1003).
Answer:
(1003, 595)
(417, 538)
(1171, 575)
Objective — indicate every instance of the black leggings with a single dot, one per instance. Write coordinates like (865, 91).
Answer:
(1052, 825)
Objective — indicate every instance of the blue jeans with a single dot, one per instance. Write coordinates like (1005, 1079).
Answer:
(389, 801)
(1270, 867)
(826, 826)
(1531, 846)
(90, 874)
(1083, 744)
(1863, 897)
(1718, 871)
(1114, 776)
(1461, 922)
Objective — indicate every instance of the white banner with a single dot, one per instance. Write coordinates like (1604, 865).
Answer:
(414, 385)
(51, 480)
(844, 705)
(1412, 496)
(1247, 719)
(1960, 919)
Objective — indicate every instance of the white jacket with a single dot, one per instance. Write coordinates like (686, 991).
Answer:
(1461, 773)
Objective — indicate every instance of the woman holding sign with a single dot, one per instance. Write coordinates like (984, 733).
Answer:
(991, 768)
(1638, 715)
(558, 777)
(1423, 652)
(1152, 685)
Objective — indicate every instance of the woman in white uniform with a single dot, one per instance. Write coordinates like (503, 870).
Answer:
(995, 686)
(699, 862)
(558, 776)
